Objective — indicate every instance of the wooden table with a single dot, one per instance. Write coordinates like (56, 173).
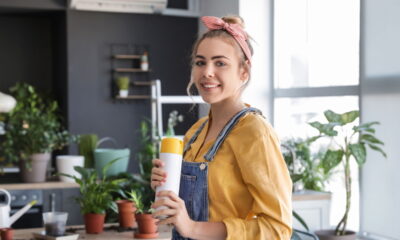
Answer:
(108, 234)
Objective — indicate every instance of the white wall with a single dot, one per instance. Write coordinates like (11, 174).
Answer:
(380, 99)
(258, 21)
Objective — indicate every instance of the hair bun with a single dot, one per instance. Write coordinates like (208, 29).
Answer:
(234, 20)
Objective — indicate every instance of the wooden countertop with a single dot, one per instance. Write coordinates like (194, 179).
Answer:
(43, 185)
(165, 234)
(310, 195)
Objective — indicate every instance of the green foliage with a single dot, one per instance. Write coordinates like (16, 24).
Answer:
(87, 145)
(136, 197)
(148, 152)
(350, 144)
(96, 194)
(308, 167)
(33, 126)
(122, 82)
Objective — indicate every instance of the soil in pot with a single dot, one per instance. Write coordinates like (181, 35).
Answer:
(330, 235)
(94, 223)
(147, 227)
(126, 213)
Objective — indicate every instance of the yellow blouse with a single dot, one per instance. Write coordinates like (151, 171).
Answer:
(249, 187)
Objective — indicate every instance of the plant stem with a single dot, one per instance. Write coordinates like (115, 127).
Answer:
(341, 227)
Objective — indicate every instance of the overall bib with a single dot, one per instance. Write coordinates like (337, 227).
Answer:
(194, 176)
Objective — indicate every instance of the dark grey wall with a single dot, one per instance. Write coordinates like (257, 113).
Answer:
(69, 53)
(91, 107)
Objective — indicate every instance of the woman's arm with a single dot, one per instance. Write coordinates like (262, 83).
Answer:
(179, 217)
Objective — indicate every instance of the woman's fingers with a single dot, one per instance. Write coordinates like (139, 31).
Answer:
(169, 194)
(165, 201)
(158, 163)
(164, 212)
(158, 171)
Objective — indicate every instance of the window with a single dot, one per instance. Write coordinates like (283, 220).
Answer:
(316, 68)
(316, 59)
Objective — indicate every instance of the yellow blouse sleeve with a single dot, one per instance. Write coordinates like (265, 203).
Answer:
(265, 174)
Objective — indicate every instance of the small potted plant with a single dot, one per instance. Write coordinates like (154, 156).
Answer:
(147, 227)
(33, 130)
(123, 85)
(96, 196)
(350, 144)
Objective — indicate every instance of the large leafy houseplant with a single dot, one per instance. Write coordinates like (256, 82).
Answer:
(350, 144)
(33, 126)
(96, 193)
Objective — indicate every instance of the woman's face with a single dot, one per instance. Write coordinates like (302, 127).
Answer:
(216, 71)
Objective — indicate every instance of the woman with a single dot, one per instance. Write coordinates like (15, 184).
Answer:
(234, 182)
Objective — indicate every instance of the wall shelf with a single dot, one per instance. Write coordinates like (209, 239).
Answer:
(124, 56)
(126, 70)
(133, 97)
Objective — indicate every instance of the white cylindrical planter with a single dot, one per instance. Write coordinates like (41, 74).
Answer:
(123, 93)
(171, 155)
(66, 164)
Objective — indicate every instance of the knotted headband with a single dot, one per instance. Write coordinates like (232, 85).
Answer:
(237, 32)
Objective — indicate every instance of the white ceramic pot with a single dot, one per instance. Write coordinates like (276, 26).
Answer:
(66, 164)
(123, 93)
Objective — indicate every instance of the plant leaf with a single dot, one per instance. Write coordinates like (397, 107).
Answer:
(342, 119)
(300, 219)
(376, 148)
(332, 116)
(325, 128)
(359, 153)
(370, 139)
(331, 160)
(349, 117)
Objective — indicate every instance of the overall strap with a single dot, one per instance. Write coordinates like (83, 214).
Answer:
(225, 131)
(194, 137)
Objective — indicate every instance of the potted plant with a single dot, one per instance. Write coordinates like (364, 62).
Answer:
(123, 85)
(147, 227)
(96, 196)
(32, 131)
(350, 144)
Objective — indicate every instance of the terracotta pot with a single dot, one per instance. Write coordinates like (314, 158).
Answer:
(330, 235)
(94, 223)
(7, 233)
(147, 227)
(37, 172)
(126, 213)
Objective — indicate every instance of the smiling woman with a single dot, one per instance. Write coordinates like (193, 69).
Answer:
(234, 181)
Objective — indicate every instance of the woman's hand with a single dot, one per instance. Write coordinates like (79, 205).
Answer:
(176, 212)
(158, 176)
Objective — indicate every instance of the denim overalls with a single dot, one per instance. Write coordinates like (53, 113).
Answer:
(194, 177)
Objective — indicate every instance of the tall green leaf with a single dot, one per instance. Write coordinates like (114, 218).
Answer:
(359, 153)
(331, 159)
(365, 127)
(370, 139)
(326, 129)
(348, 117)
(376, 148)
(332, 116)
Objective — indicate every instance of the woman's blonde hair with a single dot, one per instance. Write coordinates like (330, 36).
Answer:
(221, 33)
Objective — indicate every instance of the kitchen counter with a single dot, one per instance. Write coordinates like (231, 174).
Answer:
(43, 185)
(108, 234)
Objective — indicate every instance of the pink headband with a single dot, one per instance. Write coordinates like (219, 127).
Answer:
(237, 32)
